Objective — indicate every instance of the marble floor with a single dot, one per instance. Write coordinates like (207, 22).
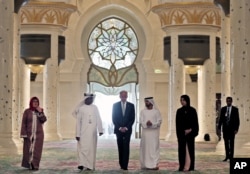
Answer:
(60, 157)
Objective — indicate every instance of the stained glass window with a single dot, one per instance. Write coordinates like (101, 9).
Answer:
(113, 48)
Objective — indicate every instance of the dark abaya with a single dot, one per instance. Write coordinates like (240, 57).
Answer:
(186, 118)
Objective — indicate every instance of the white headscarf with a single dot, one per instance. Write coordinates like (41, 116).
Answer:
(151, 100)
(86, 95)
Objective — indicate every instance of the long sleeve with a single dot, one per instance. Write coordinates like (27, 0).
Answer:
(153, 116)
(24, 125)
(131, 116)
(236, 120)
(222, 113)
(142, 120)
(99, 120)
(116, 112)
(157, 123)
(41, 116)
(179, 126)
(195, 124)
(115, 115)
(78, 124)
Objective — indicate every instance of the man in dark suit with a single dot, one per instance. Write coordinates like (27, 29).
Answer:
(123, 117)
(230, 122)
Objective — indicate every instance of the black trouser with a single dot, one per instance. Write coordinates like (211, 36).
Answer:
(228, 137)
(189, 141)
(123, 141)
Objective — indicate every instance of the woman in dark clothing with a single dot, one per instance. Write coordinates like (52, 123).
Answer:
(32, 134)
(187, 128)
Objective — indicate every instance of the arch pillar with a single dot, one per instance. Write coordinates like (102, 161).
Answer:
(9, 78)
(176, 87)
(50, 91)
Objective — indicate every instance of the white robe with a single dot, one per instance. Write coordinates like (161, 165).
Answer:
(88, 121)
(149, 145)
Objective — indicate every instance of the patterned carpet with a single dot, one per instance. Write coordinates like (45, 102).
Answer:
(60, 157)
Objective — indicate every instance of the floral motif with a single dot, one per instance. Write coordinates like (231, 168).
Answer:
(113, 42)
(113, 48)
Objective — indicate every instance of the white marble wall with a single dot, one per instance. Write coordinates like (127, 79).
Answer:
(240, 72)
(157, 87)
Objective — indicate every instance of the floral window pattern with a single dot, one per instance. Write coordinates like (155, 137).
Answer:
(113, 49)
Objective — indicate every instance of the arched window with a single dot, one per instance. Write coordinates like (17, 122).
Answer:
(113, 49)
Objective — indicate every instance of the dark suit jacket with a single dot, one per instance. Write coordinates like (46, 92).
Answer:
(123, 121)
(234, 122)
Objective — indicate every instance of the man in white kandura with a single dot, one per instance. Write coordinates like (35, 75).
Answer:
(150, 121)
(87, 123)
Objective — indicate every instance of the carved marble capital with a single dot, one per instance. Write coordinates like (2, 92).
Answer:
(181, 14)
(46, 13)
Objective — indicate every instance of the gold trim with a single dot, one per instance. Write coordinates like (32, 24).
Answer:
(49, 4)
(113, 77)
(201, 13)
(46, 13)
(183, 4)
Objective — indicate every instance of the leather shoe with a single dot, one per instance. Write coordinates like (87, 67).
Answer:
(33, 168)
(80, 167)
(225, 159)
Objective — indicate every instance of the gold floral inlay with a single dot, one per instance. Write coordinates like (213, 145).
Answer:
(46, 13)
(199, 13)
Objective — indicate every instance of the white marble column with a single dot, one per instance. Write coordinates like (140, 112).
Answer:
(206, 95)
(50, 93)
(225, 57)
(7, 144)
(225, 69)
(176, 87)
(240, 71)
(24, 84)
(23, 100)
(16, 79)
